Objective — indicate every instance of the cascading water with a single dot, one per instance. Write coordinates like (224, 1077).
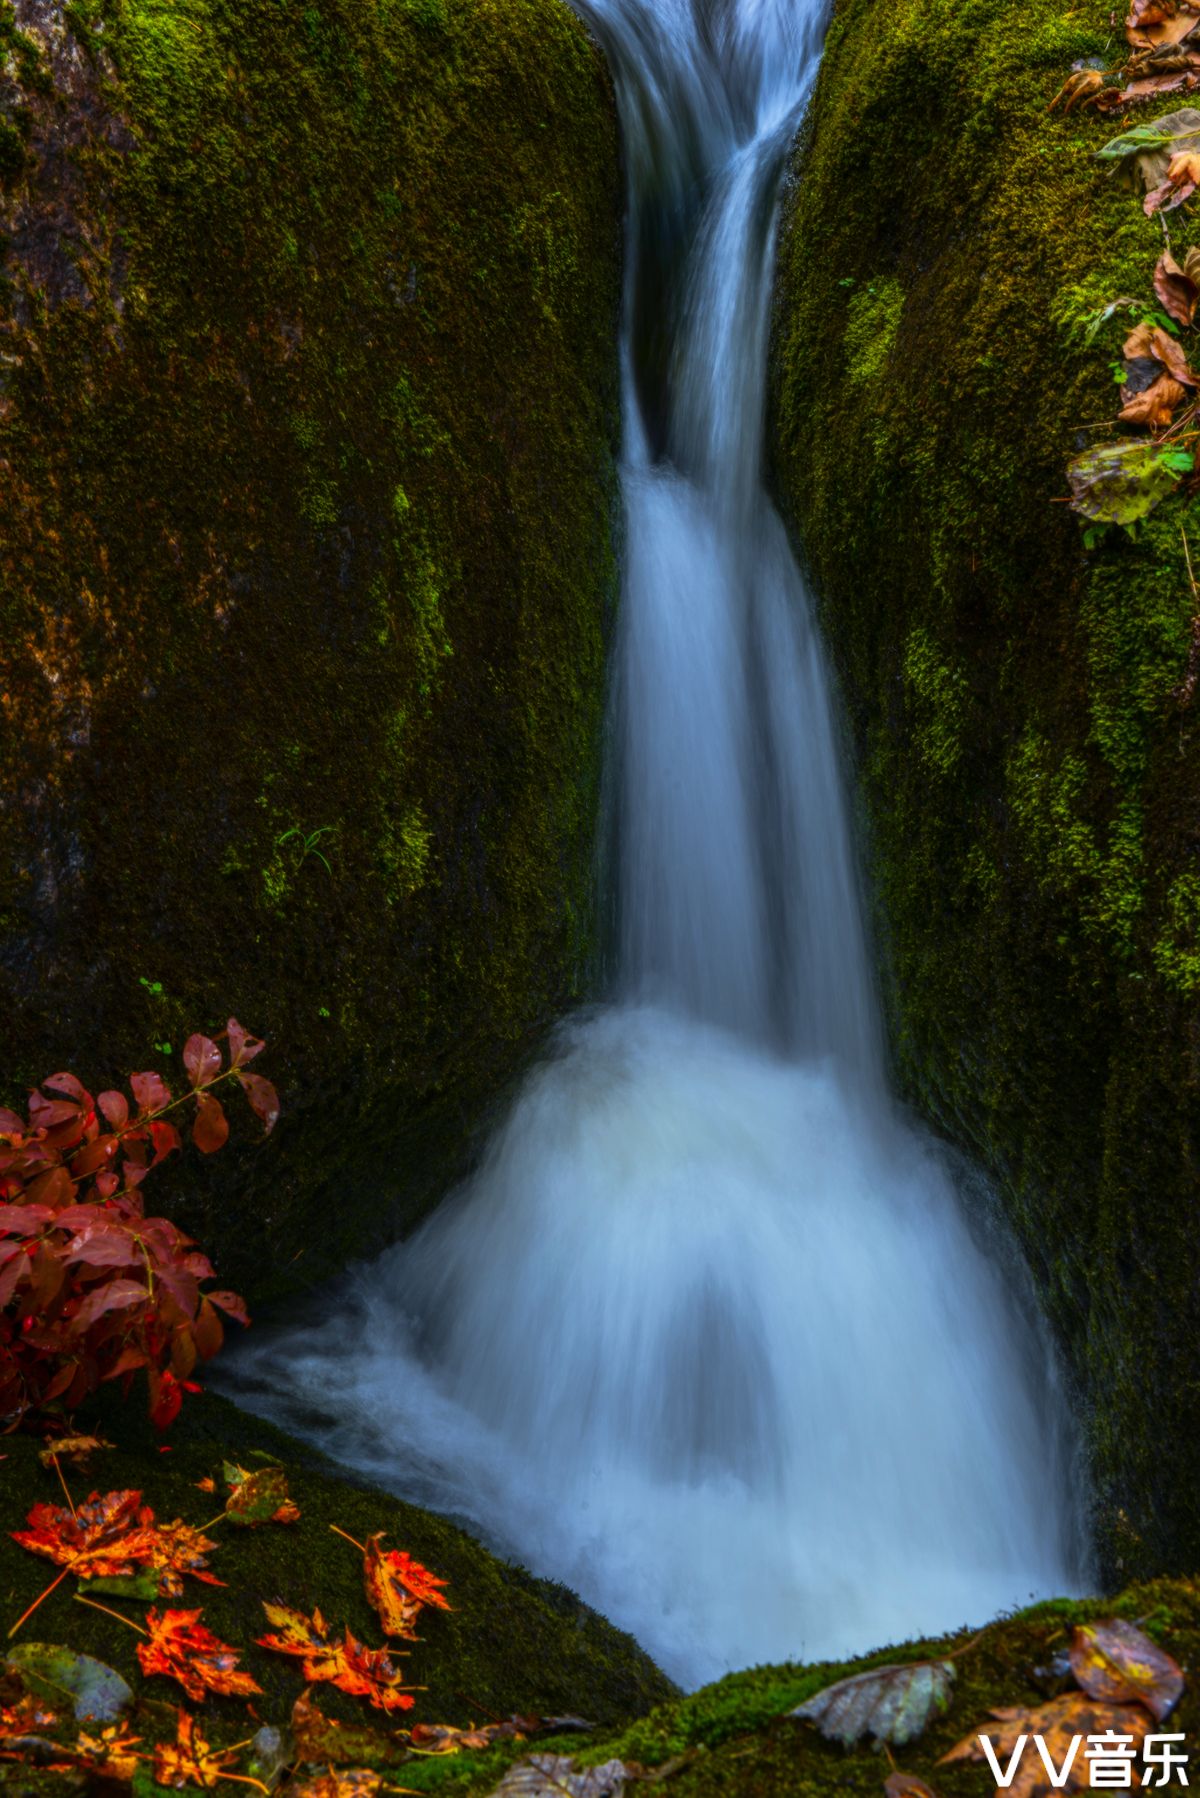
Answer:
(706, 1336)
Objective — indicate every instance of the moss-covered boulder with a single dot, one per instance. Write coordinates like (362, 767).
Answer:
(510, 1643)
(1028, 750)
(737, 1736)
(307, 417)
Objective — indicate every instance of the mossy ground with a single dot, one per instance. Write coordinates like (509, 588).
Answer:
(736, 1737)
(308, 407)
(511, 1642)
(1031, 781)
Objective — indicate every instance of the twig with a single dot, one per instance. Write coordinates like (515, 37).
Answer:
(127, 1621)
(25, 1615)
(346, 1538)
(467, 1699)
(62, 1482)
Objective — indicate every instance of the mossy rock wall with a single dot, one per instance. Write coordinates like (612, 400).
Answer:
(308, 408)
(1030, 768)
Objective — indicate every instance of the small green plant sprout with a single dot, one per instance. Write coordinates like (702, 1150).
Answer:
(306, 842)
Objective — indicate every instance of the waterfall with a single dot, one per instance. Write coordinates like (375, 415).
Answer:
(707, 1336)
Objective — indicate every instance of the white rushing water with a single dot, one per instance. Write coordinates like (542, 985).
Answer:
(707, 1336)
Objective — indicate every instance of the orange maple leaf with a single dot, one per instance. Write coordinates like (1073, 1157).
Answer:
(180, 1647)
(346, 1663)
(110, 1755)
(398, 1610)
(394, 1581)
(189, 1760)
(29, 1716)
(180, 1549)
(106, 1537)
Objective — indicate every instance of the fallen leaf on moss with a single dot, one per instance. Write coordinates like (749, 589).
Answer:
(552, 1776)
(346, 1663)
(77, 1450)
(443, 1738)
(397, 1587)
(190, 1761)
(67, 1680)
(1118, 483)
(1115, 1662)
(906, 1785)
(338, 1782)
(892, 1704)
(207, 1484)
(1143, 154)
(1062, 1725)
(180, 1647)
(1148, 18)
(260, 1497)
(1153, 405)
(142, 1587)
(110, 1755)
(28, 1714)
(1178, 185)
(1177, 292)
(321, 1739)
(180, 1549)
(105, 1535)
(1152, 341)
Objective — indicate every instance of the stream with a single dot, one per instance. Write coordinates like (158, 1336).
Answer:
(711, 1335)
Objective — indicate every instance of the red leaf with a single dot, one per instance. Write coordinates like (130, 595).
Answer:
(104, 1245)
(73, 1088)
(10, 1123)
(211, 1128)
(10, 1272)
(151, 1092)
(110, 1295)
(231, 1303)
(207, 1333)
(165, 1138)
(242, 1046)
(166, 1397)
(45, 1113)
(181, 1647)
(184, 1290)
(23, 1220)
(115, 1107)
(94, 1157)
(202, 1059)
(264, 1100)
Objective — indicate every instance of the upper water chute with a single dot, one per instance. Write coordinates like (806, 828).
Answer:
(707, 1336)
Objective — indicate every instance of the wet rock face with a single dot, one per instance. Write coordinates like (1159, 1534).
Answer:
(1019, 702)
(307, 422)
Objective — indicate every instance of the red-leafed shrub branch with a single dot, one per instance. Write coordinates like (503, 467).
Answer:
(91, 1289)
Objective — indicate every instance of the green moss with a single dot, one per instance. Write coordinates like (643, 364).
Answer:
(951, 251)
(938, 696)
(309, 432)
(1177, 949)
(872, 321)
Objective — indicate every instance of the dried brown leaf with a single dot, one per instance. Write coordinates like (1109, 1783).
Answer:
(906, 1785)
(1062, 1726)
(1176, 290)
(1154, 405)
(1115, 1662)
